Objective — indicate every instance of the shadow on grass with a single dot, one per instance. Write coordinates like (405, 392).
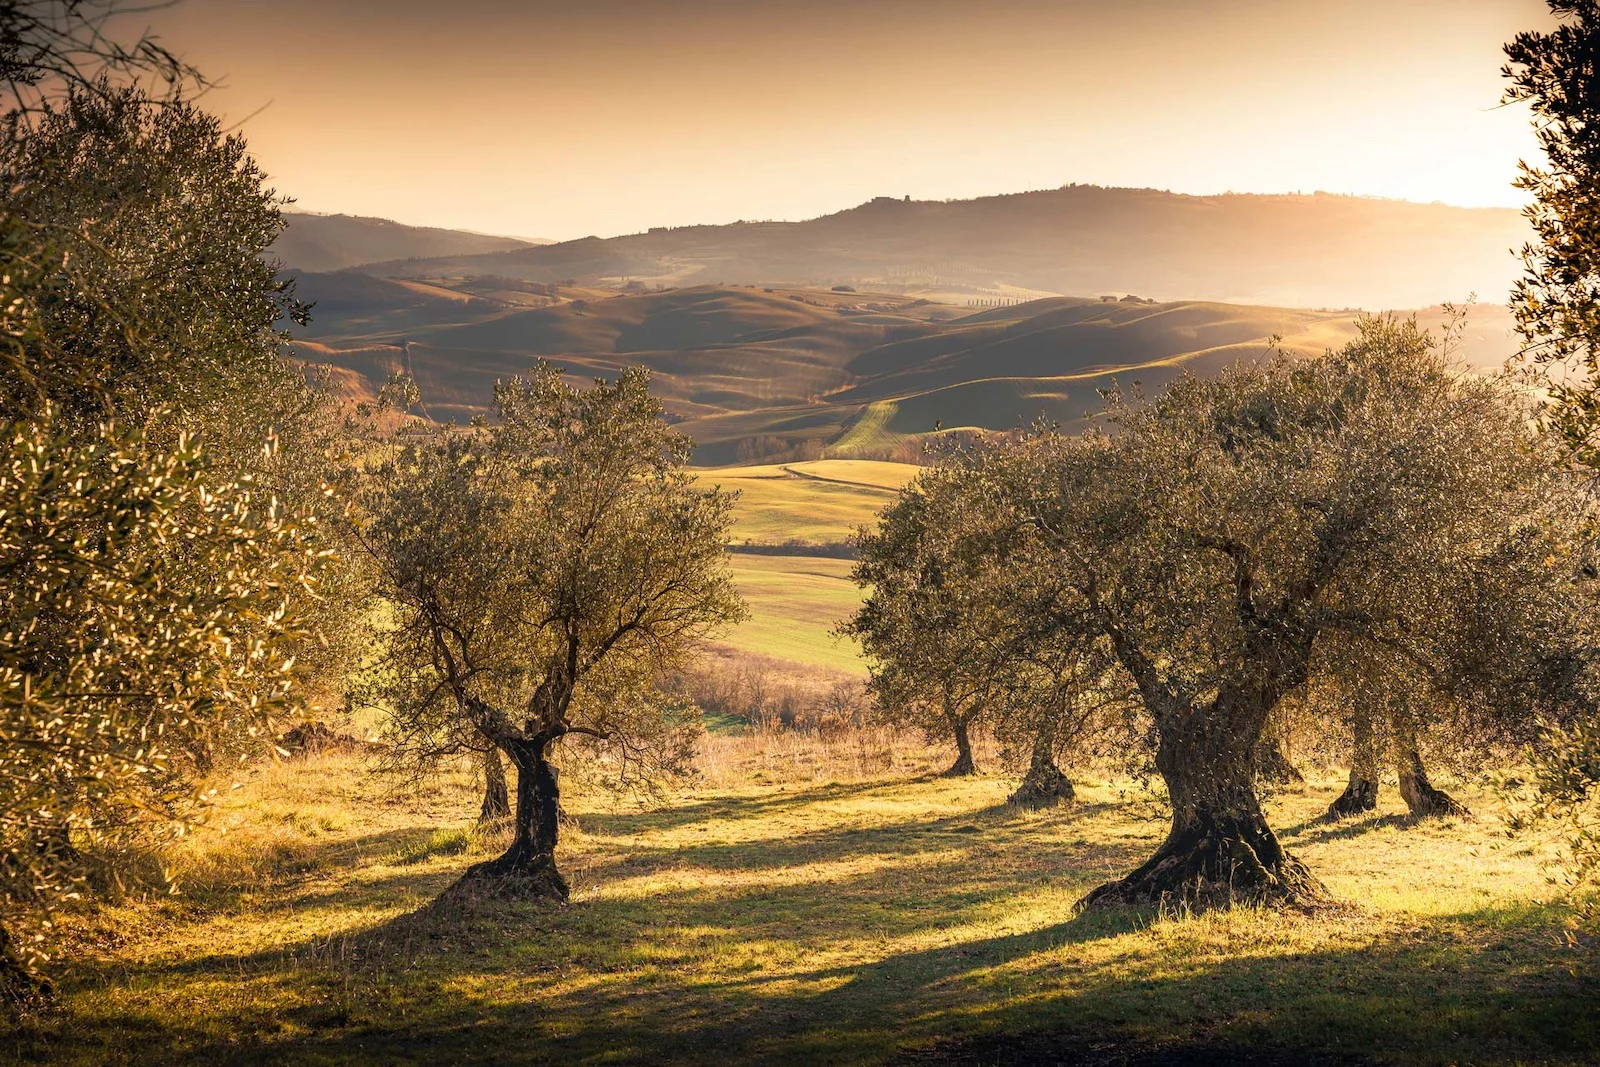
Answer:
(1321, 829)
(742, 808)
(1468, 988)
(761, 952)
(998, 826)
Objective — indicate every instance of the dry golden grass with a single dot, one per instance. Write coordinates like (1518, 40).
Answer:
(807, 899)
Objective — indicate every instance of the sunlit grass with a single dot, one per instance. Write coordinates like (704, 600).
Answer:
(806, 900)
(820, 502)
(795, 602)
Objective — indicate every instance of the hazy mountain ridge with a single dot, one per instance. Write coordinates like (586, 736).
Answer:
(334, 242)
(1315, 250)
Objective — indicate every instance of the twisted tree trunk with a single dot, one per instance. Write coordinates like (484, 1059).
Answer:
(1044, 784)
(1273, 766)
(18, 985)
(496, 797)
(527, 870)
(1361, 794)
(963, 765)
(1421, 796)
(1220, 849)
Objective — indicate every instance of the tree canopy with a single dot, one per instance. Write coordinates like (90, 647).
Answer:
(163, 471)
(1557, 301)
(1225, 539)
(543, 573)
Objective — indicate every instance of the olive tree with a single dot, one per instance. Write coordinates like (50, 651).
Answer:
(154, 594)
(114, 668)
(542, 574)
(144, 226)
(1385, 705)
(1220, 536)
(951, 642)
(932, 631)
(1061, 703)
(1557, 308)
(1556, 302)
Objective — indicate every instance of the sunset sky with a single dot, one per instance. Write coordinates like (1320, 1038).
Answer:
(609, 116)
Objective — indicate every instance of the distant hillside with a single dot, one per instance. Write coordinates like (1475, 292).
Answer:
(334, 242)
(750, 373)
(1291, 251)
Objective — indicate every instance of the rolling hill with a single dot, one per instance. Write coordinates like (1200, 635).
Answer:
(333, 242)
(1296, 251)
(751, 373)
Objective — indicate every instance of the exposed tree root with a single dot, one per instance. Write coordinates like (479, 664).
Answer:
(962, 767)
(510, 878)
(1216, 862)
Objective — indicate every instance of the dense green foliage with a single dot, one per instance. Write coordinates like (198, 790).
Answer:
(953, 643)
(164, 468)
(1557, 306)
(150, 615)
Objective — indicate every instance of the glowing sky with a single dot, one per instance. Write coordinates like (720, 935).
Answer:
(609, 116)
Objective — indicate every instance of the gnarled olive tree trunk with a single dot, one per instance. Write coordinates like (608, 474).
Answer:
(960, 726)
(1220, 849)
(1273, 765)
(1044, 784)
(528, 867)
(1422, 797)
(1361, 794)
(496, 797)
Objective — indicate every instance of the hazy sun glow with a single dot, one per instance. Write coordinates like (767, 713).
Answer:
(610, 116)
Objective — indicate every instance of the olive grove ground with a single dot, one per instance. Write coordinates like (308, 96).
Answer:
(812, 901)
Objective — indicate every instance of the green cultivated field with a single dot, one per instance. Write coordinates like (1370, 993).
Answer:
(821, 502)
(795, 600)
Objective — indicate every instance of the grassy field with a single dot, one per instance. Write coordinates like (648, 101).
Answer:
(807, 898)
(810, 901)
(815, 503)
(795, 600)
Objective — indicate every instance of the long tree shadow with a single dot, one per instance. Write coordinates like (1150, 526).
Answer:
(676, 816)
(1321, 829)
(950, 869)
(998, 825)
(1445, 992)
